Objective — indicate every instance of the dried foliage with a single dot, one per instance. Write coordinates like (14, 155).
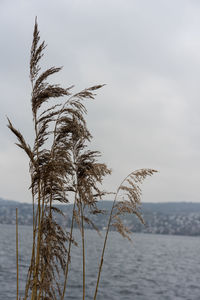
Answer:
(62, 167)
(130, 192)
(66, 167)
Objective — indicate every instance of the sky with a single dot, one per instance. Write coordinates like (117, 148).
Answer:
(148, 114)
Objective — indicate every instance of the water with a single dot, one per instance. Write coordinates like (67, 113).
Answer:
(153, 267)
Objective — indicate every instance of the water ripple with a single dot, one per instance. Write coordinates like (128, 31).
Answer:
(154, 267)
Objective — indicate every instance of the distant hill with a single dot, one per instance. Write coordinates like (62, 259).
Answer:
(161, 207)
(181, 218)
(172, 207)
(8, 202)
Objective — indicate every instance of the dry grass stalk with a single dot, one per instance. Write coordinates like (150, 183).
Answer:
(17, 251)
(130, 204)
(62, 165)
(66, 167)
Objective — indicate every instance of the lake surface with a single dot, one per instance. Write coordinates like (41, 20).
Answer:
(153, 267)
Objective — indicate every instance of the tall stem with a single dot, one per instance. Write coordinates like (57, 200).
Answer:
(36, 269)
(106, 237)
(69, 251)
(32, 264)
(83, 248)
(42, 265)
(17, 264)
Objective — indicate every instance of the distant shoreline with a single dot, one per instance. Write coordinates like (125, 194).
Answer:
(174, 218)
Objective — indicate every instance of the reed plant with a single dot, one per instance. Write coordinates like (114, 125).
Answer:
(63, 169)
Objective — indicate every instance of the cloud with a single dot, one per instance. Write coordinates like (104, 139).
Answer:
(147, 115)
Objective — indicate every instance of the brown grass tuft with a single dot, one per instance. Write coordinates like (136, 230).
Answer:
(62, 167)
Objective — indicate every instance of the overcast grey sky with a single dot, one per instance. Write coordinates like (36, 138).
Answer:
(148, 54)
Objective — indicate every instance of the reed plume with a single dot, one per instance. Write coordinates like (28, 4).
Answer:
(129, 192)
(62, 168)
